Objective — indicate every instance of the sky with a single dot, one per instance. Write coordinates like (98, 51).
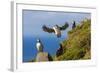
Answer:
(32, 30)
(34, 20)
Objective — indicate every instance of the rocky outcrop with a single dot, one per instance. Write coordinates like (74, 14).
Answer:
(43, 56)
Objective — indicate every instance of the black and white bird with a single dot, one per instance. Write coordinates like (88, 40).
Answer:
(74, 25)
(39, 45)
(60, 50)
(56, 29)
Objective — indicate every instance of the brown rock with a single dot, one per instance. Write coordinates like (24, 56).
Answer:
(42, 56)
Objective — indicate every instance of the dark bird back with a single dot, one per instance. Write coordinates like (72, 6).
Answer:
(59, 51)
(50, 57)
(74, 25)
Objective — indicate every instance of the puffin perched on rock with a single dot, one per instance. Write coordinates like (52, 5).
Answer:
(39, 45)
(59, 51)
(56, 29)
(42, 56)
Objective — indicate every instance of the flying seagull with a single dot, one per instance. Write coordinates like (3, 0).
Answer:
(39, 45)
(56, 29)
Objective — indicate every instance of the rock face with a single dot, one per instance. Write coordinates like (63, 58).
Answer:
(43, 56)
(78, 44)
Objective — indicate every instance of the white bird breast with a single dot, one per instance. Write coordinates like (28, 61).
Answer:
(57, 31)
(39, 46)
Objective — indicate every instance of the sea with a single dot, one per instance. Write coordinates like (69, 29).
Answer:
(50, 44)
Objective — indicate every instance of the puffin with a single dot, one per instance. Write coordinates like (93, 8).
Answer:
(55, 29)
(74, 25)
(42, 56)
(39, 45)
(60, 50)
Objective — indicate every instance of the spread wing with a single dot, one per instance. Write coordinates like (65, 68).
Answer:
(47, 29)
(64, 26)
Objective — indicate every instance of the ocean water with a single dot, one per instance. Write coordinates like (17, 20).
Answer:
(29, 46)
(33, 20)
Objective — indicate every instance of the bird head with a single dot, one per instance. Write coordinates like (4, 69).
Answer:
(38, 40)
(56, 26)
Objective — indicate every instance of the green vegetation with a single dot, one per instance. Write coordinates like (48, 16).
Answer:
(78, 44)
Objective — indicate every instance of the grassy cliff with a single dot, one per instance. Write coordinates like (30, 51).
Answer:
(78, 44)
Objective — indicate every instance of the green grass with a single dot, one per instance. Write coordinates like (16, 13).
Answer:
(78, 44)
